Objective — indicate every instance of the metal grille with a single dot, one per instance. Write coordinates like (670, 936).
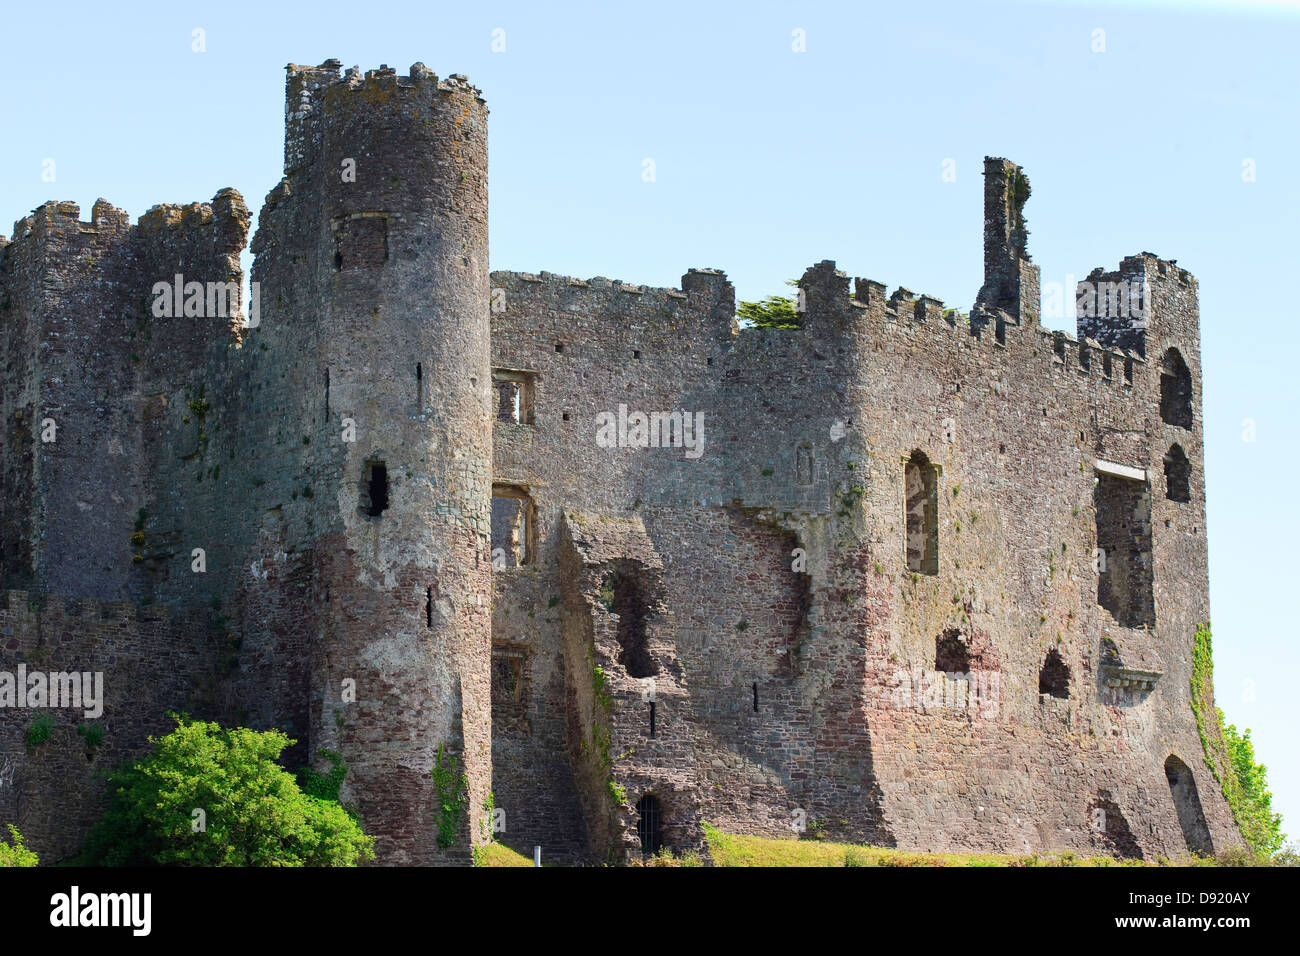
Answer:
(649, 825)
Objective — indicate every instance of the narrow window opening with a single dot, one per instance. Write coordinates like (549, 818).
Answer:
(374, 489)
(1128, 371)
(652, 718)
(921, 482)
(636, 353)
(803, 464)
(1124, 581)
(1178, 475)
(951, 653)
(565, 416)
(428, 608)
(755, 686)
(327, 395)
(419, 387)
(649, 824)
(1175, 390)
(1054, 677)
(559, 347)
(514, 534)
(1106, 369)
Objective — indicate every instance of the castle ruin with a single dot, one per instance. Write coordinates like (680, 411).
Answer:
(898, 575)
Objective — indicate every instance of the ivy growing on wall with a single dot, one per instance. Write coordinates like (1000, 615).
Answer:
(452, 790)
(1230, 757)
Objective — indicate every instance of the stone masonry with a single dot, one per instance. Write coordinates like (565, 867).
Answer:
(898, 575)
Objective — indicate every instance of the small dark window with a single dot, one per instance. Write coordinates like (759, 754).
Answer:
(652, 718)
(1054, 677)
(428, 608)
(755, 697)
(374, 489)
(507, 678)
(951, 654)
(649, 824)
(559, 347)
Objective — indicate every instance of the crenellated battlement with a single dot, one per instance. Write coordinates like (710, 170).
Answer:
(316, 95)
(63, 218)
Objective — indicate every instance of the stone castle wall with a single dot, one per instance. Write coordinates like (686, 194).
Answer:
(396, 484)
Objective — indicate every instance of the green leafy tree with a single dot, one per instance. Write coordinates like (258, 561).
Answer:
(17, 854)
(1260, 826)
(253, 812)
(774, 312)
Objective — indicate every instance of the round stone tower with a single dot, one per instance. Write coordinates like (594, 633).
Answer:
(373, 261)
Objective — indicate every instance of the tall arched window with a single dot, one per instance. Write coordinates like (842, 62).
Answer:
(921, 490)
(1175, 390)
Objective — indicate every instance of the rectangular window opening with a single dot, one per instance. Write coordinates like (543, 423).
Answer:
(374, 489)
(514, 532)
(1125, 585)
(922, 504)
(514, 396)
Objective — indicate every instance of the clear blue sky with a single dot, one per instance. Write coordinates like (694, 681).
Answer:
(768, 160)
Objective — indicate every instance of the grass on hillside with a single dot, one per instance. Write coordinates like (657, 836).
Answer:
(494, 854)
(729, 849)
(735, 850)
